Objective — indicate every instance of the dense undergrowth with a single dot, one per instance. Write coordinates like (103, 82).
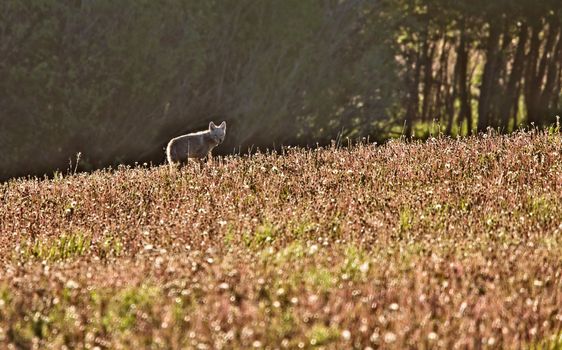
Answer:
(443, 244)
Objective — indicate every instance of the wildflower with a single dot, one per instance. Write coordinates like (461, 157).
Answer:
(389, 337)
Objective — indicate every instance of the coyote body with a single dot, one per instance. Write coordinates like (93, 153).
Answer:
(196, 145)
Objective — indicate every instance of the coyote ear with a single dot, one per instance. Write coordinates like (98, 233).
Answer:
(212, 126)
(223, 125)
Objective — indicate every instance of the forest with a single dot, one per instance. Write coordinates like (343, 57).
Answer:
(86, 84)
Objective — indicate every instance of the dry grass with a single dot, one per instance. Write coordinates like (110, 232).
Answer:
(444, 244)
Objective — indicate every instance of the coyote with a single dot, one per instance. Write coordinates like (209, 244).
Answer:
(196, 145)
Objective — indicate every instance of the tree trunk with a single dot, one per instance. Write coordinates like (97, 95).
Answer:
(531, 72)
(556, 97)
(511, 98)
(498, 87)
(447, 86)
(427, 78)
(438, 81)
(550, 89)
(536, 74)
(463, 82)
(413, 95)
(488, 78)
(452, 97)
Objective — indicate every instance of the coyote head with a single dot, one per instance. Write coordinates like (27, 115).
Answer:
(217, 132)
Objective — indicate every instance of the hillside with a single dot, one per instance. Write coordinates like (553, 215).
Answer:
(450, 243)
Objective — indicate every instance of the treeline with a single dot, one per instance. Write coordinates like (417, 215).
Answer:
(479, 64)
(115, 80)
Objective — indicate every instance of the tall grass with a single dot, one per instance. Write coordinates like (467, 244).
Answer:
(450, 243)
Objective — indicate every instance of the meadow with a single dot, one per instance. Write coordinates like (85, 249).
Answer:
(448, 243)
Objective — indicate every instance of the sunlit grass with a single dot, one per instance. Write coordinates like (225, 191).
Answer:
(447, 243)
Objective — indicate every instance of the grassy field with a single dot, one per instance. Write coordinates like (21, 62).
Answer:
(442, 244)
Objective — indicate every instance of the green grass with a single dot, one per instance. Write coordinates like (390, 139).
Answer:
(62, 248)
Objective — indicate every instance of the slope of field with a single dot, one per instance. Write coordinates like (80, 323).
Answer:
(443, 244)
